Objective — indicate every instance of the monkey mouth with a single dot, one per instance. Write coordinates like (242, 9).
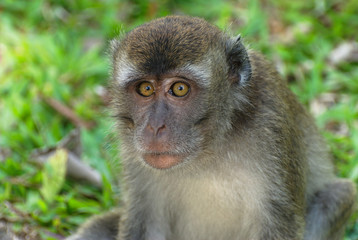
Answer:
(163, 160)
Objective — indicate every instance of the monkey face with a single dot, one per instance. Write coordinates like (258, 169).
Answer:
(166, 113)
(165, 74)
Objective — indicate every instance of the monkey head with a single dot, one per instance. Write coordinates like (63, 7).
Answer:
(165, 74)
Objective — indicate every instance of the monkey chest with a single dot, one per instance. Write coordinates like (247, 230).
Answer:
(209, 209)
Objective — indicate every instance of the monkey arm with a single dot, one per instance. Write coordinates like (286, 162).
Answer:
(329, 209)
(103, 227)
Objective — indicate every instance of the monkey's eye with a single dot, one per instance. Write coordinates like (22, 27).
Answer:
(145, 89)
(179, 89)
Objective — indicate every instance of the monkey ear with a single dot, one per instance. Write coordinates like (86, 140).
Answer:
(238, 60)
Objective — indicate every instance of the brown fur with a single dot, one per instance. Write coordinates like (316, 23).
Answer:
(190, 39)
(257, 167)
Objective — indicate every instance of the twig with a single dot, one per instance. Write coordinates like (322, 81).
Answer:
(68, 113)
(16, 211)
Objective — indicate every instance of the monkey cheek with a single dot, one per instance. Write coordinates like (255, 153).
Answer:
(163, 161)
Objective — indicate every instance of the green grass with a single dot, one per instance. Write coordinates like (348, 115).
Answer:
(57, 49)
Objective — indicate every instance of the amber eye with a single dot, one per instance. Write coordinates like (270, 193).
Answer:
(145, 89)
(179, 89)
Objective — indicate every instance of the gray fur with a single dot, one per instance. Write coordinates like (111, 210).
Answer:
(256, 168)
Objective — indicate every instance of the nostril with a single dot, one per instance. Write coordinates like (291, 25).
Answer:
(160, 129)
(150, 128)
(156, 130)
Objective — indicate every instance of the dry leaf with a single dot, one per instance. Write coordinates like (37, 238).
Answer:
(75, 168)
(345, 52)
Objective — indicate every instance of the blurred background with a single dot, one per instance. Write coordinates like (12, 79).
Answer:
(53, 75)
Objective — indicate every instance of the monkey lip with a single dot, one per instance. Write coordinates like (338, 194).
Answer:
(163, 160)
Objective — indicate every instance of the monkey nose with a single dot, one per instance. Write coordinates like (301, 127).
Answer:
(156, 130)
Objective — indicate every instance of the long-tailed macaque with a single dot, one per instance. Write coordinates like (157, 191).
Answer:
(214, 145)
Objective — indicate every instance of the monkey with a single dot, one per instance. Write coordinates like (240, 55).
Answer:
(214, 145)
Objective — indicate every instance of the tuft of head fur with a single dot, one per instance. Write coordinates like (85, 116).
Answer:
(173, 41)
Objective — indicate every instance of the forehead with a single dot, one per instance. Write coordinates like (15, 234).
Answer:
(167, 43)
(127, 72)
